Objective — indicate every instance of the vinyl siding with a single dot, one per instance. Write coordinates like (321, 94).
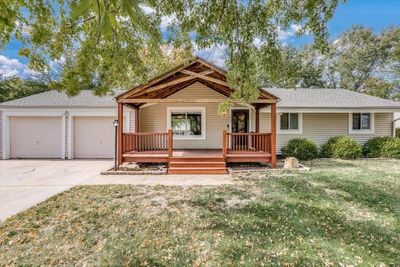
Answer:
(319, 127)
(154, 118)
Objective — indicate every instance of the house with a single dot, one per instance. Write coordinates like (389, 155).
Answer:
(174, 118)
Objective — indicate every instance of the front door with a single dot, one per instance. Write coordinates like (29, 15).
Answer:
(240, 124)
(240, 121)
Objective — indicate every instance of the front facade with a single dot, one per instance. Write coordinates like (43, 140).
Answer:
(174, 119)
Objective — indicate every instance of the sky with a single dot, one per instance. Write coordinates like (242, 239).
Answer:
(377, 14)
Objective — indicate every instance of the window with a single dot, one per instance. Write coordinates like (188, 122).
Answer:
(290, 122)
(361, 122)
(187, 123)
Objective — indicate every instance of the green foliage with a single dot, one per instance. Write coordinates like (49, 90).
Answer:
(391, 149)
(117, 44)
(342, 147)
(373, 147)
(300, 148)
(13, 87)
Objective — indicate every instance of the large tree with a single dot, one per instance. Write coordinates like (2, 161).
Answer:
(117, 43)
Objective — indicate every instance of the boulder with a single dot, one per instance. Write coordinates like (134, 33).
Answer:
(129, 166)
(291, 163)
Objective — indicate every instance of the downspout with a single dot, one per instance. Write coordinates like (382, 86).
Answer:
(394, 126)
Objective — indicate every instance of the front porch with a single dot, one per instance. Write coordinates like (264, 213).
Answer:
(176, 122)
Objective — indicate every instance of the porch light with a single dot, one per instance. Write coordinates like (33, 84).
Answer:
(115, 123)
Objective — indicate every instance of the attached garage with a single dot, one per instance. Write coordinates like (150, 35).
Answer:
(93, 137)
(35, 137)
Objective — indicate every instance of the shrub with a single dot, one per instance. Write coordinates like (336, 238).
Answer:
(341, 147)
(301, 148)
(391, 149)
(373, 147)
(326, 149)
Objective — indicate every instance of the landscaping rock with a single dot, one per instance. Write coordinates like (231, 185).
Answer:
(291, 163)
(129, 166)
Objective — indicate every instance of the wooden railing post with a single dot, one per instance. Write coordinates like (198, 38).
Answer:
(224, 135)
(170, 143)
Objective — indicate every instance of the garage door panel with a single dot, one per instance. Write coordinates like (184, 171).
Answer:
(93, 137)
(35, 137)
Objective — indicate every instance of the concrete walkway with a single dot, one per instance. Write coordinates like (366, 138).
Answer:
(25, 183)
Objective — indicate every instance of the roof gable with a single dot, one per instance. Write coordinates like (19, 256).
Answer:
(182, 76)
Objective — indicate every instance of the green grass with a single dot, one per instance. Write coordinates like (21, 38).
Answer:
(340, 213)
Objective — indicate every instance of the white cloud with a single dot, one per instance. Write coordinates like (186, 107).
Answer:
(214, 54)
(165, 20)
(11, 67)
(290, 32)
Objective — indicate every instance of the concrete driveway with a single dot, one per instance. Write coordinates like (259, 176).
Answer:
(24, 183)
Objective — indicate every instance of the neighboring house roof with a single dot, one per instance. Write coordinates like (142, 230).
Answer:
(329, 98)
(51, 99)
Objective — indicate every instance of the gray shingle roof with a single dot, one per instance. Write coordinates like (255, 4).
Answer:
(329, 98)
(53, 98)
(289, 98)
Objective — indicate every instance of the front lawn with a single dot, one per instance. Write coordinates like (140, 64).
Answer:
(341, 212)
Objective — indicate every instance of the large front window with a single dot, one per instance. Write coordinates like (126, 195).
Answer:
(290, 123)
(187, 123)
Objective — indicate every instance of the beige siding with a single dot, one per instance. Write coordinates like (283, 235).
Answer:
(319, 127)
(154, 118)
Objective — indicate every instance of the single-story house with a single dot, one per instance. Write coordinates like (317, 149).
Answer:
(174, 118)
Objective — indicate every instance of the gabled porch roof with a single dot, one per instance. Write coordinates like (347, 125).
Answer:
(199, 70)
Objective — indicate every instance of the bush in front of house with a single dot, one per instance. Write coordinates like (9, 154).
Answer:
(373, 147)
(341, 147)
(300, 148)
(391, 149)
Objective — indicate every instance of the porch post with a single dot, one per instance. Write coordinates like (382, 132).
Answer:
(273, 135)
(120, 131)
(257, 119)
(137, 125)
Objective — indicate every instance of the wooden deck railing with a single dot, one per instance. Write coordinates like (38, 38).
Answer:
(246, 142)
(147, 142)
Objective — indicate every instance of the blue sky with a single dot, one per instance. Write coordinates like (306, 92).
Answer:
(377, 14)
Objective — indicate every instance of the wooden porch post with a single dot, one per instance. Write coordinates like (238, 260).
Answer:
(273, 135)
(170, 144)
(257, 119)
(120, 131)
(224, 148)
(137, 125)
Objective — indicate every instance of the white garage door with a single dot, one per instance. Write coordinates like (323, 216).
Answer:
(35, 137)
(94, 137)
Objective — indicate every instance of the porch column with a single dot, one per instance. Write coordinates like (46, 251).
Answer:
(137, 125)
(257, 119)
(273, 135)
(120, 131)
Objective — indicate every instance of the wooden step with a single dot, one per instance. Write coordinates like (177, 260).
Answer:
(197, 170)
(211, 164)
(197, 159)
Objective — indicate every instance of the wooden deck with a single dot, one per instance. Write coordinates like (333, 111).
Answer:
(197, 161)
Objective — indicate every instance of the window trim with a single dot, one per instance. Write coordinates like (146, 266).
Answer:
(188, 109)
(289, 131)
(362, 131)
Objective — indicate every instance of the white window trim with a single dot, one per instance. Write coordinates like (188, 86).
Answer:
(188, 109)
(289, 131)
(361, 131)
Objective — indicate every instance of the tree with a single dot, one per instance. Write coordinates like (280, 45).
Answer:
(14, 87)
(359, 55)
(105, 43)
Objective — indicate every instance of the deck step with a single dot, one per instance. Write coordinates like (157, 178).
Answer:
(209, 164)
(197, 159)
(197, 170)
